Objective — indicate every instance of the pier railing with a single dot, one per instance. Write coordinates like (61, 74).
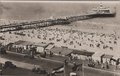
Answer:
(44, 23)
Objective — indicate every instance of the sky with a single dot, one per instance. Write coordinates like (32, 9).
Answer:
(60, 0)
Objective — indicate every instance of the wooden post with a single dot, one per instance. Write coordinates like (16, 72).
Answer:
(66, 69)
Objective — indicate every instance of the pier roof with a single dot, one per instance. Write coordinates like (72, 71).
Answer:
(83, 52)
(61, 50)
(25, 43)
(106, 56)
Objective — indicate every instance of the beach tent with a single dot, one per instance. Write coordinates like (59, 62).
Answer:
(105, 57)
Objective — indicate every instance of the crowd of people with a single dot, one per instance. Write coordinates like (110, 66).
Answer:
(75, 38)
(69, 37)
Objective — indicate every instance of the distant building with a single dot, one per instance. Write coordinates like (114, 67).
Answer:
(26, 47)
(40, 47)
(82, 54)
(75, 54)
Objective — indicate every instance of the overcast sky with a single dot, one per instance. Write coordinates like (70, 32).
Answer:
(59, 0)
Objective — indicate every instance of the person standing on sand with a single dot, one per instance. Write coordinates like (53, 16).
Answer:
(117, 63)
